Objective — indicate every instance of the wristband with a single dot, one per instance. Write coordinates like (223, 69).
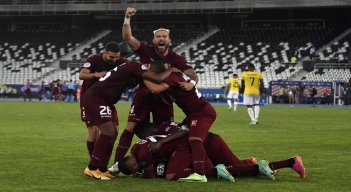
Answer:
(193, 82)
(126, 21)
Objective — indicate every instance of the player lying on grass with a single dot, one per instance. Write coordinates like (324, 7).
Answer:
(179, 162)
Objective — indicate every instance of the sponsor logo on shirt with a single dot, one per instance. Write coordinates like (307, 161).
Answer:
(87, 64)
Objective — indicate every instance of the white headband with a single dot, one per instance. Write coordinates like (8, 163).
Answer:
(162, 29)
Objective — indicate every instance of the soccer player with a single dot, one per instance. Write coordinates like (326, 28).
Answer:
(27, 93)
(95, 67)
(233, 86)
(98, 108)
(179, 163)
(200, 115)
(152, 153)
(252, 86)
(161, 105)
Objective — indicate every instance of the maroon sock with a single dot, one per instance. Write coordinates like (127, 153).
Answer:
(281, 164)
(123, 145)
(199, 156)
(103, 164)
(99, 153)
(244, 170)
(90, 146)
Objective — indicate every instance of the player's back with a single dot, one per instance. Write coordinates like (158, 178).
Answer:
(188, 101)
(234, 84)
(252, 82)
(115, 82)
(143, 154)
(96, 63)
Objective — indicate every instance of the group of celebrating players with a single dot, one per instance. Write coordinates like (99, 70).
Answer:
(185, 152)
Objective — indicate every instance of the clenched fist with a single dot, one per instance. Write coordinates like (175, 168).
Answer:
(130, 12)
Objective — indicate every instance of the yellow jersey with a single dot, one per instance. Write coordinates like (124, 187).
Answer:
(234, 85)
(252, 82)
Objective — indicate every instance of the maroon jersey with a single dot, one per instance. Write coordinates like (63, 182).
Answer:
(166, 128)
(143, 155)
(188, 101)
(162, 104)
(95, 63)
(115, 82)
(141, 105)
(145, 102)
(148, 53)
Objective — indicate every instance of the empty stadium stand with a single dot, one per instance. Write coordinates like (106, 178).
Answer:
(270, 49)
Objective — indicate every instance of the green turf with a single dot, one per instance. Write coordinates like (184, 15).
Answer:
(43, 148)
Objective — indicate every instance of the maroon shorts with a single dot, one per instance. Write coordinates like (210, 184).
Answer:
(200, 121)
(96, 111)
(139, 111)
(162, 110)
(145, 102)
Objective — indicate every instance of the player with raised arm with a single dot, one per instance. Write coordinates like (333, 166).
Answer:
(252, 86)
(161, 105)
(97, 103)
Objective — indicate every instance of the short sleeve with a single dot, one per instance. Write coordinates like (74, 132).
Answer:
(181, 63)
(174, 79)
(137, 68)
(89, 63)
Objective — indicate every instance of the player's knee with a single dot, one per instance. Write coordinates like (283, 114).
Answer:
(93, 133)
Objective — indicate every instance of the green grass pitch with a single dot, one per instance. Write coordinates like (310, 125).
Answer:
(43, 148)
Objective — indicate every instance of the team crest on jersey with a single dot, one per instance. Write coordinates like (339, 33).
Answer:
(87, 64)
(193, 123)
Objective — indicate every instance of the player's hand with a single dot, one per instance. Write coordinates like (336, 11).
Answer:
(167, 66)
(154, 147)
(130, 12)
(186, 86)
(100, 74)
(176, 70)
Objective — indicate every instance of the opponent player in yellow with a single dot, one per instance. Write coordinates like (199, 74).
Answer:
(233, 86)
(252, 86)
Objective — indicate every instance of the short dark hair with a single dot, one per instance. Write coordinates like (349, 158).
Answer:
(122, 166)
(157, 66)
(250, 66)
(141, 127)
(235, 75)
(112, 46)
